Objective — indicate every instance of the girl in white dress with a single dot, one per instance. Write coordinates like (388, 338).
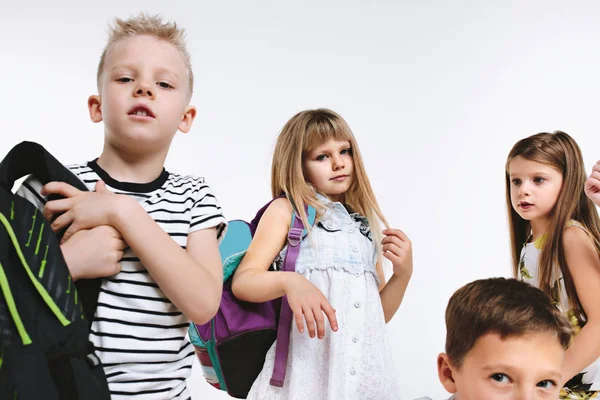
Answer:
(338, 292)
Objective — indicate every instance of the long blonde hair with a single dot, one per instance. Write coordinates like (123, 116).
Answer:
(301, 134)
(559, 151)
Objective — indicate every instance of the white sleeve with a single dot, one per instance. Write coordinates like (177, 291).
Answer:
(31, 189)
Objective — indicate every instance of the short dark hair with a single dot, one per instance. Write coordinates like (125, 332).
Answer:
(505, 306)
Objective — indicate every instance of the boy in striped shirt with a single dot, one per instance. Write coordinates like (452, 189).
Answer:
(152, 235)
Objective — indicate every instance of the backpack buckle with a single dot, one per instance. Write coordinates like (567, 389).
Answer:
(295, 236)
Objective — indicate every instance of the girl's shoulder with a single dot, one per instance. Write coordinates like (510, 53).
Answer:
(280, 208)
(577, 238)
(576, 229)
(578, 224)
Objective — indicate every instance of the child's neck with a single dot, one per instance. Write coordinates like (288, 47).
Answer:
(132, 168)
(539, 228)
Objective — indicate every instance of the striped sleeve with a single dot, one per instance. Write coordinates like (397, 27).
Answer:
(206, 212)
(31, 189)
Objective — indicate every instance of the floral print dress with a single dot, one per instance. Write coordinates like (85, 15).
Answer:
(586, 384)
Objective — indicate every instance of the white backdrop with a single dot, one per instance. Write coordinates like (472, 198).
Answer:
(436, 93)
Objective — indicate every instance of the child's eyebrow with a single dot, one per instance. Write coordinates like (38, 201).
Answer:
(341, 146)
(123, 66)
(546, 373)
(498, 367)
(534, 173)
(540, 173)
(324, 149)
(160, 70)
(167, 71)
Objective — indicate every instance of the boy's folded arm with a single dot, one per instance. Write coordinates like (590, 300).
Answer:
(81, 254)
(94, 253)
(191, 279)
(75, 256)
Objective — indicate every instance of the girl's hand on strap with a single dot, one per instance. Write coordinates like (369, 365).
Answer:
(397, 248)
(592, 184)
(308, 303)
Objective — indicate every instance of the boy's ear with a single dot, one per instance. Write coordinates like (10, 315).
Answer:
(446, 373)
(188, 117)
(94, 107)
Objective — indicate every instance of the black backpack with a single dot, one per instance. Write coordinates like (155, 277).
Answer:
(45, 352)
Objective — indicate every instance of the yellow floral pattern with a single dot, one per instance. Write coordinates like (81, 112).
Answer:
(568, 394)
(583, 385)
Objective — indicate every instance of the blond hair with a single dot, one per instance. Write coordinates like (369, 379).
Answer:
(150, 25)
(301, 134)
(559, 151)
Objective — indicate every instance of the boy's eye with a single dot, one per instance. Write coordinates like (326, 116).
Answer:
(538, 179)
(546, 384)
(165, 85)
(516, 182)
(500, 378)
(124, 80)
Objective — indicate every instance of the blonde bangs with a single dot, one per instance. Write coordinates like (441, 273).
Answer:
(323, 127)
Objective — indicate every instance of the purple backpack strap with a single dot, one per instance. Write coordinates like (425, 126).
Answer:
(286, 315)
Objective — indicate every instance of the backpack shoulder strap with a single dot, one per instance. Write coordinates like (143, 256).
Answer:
(32, 158)
(89, 290)
(295, 235)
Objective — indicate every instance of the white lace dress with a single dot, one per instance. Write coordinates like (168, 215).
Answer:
(356, 361)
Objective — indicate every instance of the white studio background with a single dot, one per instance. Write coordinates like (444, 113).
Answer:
(436, 93)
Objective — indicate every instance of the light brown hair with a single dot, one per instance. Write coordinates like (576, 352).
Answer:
(150, 25)
(498, 305)
(559, 151)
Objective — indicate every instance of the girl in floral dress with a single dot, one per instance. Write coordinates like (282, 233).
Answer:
(554, 236)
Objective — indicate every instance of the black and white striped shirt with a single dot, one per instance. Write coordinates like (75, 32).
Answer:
(139, 334)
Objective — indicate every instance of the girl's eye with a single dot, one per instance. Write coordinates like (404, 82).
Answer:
(500, 378)
(165, 85)
(346, 151)
(124, 80)
(516, 182)
(546, 384)
(320, 157)
(538, 179)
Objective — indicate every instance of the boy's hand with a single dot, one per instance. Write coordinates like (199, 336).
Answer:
(397, 248)
(94, 253)
(592, 184)
(308, 303)
(81, 210)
